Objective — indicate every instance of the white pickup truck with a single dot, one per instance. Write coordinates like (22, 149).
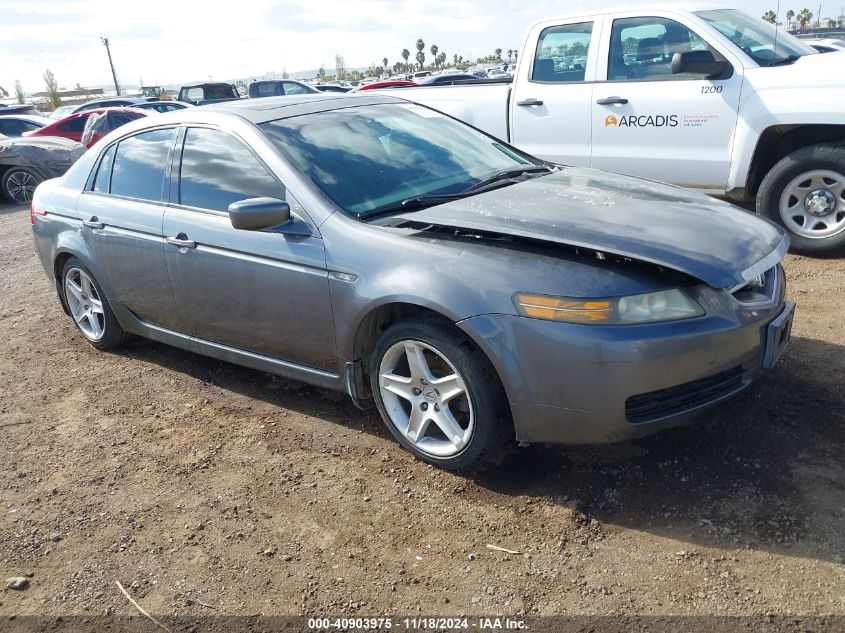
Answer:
(701, 97)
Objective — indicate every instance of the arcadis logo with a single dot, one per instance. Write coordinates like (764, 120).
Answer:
(645, 121)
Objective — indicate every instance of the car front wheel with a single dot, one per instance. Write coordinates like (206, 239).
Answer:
(805, 194)
(18, 185)
(439, 395)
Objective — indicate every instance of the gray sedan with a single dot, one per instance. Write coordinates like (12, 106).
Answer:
(474, 294)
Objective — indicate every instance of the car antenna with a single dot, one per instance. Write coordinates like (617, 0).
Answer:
(777, 32)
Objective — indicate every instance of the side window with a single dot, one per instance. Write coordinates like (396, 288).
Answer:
(74, 125)
(140, 164)
(218, 169)
(295, 89)
(561, 55)
(642, 48)
(101, 182)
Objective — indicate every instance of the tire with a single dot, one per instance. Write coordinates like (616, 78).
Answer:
(18, 184)
(805, 194)
(89, 307)
(454, 384)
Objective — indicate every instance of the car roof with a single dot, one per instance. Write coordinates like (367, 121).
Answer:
(33, 118)
(643, 9)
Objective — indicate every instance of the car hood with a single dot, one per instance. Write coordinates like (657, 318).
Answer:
(822, 69)
(710, 240)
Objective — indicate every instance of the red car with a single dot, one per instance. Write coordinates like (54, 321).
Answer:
(396, 83)
(73, 126)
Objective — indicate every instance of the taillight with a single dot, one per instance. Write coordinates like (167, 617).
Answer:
(33, 213)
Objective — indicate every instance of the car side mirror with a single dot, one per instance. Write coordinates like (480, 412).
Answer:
(256, 214)
(698, 63)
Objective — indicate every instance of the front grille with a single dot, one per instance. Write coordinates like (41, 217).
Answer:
(654, 405)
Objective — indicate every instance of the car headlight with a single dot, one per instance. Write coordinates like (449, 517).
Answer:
(652, 307)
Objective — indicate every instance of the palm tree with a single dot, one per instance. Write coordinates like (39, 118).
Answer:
(790, 15)
(510, 53)
(434, 49)
(441, 59)
(405, 55)
(420, 56)
(498, 53)
(770, 17)
(384, 64)
(804, 17)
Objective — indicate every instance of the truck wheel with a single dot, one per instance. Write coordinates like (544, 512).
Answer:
(438, 395)
(805, 194)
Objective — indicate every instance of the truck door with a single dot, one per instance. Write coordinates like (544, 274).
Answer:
(652, 123)
(550, 105)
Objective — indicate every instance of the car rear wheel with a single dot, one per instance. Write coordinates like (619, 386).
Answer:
(90, 308)
(439, 395)
(18, 185)
(805, 194)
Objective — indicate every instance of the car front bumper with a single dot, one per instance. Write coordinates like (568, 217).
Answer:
(577, 384)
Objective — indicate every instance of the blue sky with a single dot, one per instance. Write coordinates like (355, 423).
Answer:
(174, 41)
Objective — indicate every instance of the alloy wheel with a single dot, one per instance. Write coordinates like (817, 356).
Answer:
(85, 304)
(426, 398)
(20, 185)
(812, 204)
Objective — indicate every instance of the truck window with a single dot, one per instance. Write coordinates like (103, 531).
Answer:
(642, 48)
(561, 55)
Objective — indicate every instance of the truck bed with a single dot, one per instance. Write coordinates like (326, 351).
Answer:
(483, 104)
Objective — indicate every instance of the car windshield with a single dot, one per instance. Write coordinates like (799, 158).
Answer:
(368, 157)
(761, 41)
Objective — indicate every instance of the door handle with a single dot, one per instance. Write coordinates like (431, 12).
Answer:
(529, 102)
(93, 223)
(181, 243)
(613, 101)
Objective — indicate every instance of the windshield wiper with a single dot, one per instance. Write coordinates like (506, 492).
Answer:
(422, 202)
(505, 174)
(786, 61)
(411, 204)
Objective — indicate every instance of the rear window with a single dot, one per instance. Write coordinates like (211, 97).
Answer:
(74, 125)
(140, 164)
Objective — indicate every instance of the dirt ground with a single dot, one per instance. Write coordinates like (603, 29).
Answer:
(207, 488)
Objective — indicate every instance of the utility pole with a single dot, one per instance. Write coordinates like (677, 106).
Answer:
(105, 41)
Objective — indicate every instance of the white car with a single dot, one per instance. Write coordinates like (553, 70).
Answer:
(696, 96)
(824, 45)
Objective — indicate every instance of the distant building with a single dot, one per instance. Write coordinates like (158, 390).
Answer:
(72, 94)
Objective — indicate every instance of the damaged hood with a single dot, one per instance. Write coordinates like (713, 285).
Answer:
(710, 240)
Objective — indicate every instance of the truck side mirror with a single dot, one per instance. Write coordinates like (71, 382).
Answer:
(698, 63)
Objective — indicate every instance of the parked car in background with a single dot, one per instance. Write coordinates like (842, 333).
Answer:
(469, 291)
(101, 123)
(114, 102)
(26, 162)
(61, 112)
(6, 110)
(162, 106)
(17, 124)
(278, 88)
(445, 80)
(332, 88)
(384, 84)
(825, 45)
(73, 126)
(712, 99)
(202, 94)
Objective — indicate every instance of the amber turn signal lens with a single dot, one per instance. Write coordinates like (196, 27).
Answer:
(564, 309)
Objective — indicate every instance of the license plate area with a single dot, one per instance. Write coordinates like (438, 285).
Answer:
(778, 334)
